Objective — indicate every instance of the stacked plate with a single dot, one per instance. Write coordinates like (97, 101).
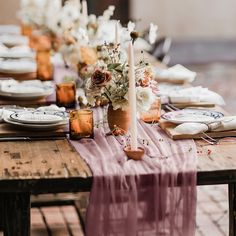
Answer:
(37, 120)
(25, 90)
(190, 115)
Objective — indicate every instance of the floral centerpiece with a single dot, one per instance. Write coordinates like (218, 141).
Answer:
(80, 40)
(110, 82)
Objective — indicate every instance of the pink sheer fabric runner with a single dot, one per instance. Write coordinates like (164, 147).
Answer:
(155, 196)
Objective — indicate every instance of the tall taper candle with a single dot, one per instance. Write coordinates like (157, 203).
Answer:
(132, 99)
(85, 11)
(117, 33)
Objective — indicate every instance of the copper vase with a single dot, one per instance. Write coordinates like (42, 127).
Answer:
(118, 120)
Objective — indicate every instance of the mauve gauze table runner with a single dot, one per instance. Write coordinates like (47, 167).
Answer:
(155, 196)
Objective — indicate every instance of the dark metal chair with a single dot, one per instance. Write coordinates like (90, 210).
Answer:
(161, 49)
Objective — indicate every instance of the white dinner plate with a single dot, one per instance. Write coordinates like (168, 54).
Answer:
(192, 115)
(39, 117)
(38, 127)
(26, 96)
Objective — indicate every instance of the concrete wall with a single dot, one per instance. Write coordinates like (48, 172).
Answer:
(188, 18)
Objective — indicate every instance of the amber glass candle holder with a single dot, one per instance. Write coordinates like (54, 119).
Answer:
(81, 124)
(40, 42)
(44, 65)
(26, 30)
(154, 113)
(66, 95)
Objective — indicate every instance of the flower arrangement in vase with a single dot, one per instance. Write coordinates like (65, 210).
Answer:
(110, 82)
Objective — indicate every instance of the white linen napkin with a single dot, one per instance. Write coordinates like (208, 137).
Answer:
(22, 51)
(29, 86)
(13, 40)
(192, 95)
(227, 123)
(51, 107)
(18, 66)
(177, 72)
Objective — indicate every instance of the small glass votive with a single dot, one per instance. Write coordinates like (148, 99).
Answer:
(26, 30)
(44, 65)
(81, 124)
(66, 94)
(153, 114)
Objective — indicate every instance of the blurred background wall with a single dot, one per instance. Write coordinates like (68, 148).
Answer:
(178, 19)
(188, 18)
(8, 9)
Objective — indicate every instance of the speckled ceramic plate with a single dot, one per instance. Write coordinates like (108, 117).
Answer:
(192, 115)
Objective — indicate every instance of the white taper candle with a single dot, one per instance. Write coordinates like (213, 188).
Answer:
(117, 33)
(132, 99)
(85, 11)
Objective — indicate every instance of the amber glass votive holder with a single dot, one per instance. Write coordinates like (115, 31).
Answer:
(66, 94)
(26, 30)
(153, 114)
(81, 124)
(44, 65)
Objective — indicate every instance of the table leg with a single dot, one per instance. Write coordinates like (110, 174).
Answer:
(232, 209)
(1, 213)
(16, 214)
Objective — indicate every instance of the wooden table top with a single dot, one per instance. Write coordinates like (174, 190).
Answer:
(54, 166)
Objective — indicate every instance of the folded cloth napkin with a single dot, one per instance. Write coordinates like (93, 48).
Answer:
(13, 40)
(10, 29)
(22, 51)
(29, 86)
(18, 66)
(192, 95)
(177, 72)
(227, 123)
(52, 107)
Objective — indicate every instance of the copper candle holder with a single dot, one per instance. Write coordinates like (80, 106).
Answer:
(153, 115)
(136, 155)
(81, 124)
(66, 94)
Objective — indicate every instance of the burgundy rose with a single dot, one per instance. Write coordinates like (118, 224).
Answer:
(100, 78)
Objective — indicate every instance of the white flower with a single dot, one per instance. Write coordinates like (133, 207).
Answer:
(145, 98)
(92, 18)
(131, 26)
(80, 93)
(152, 33)
(120, 104)
(81, 35)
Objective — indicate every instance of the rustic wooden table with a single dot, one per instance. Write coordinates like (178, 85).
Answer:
(36, 167)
